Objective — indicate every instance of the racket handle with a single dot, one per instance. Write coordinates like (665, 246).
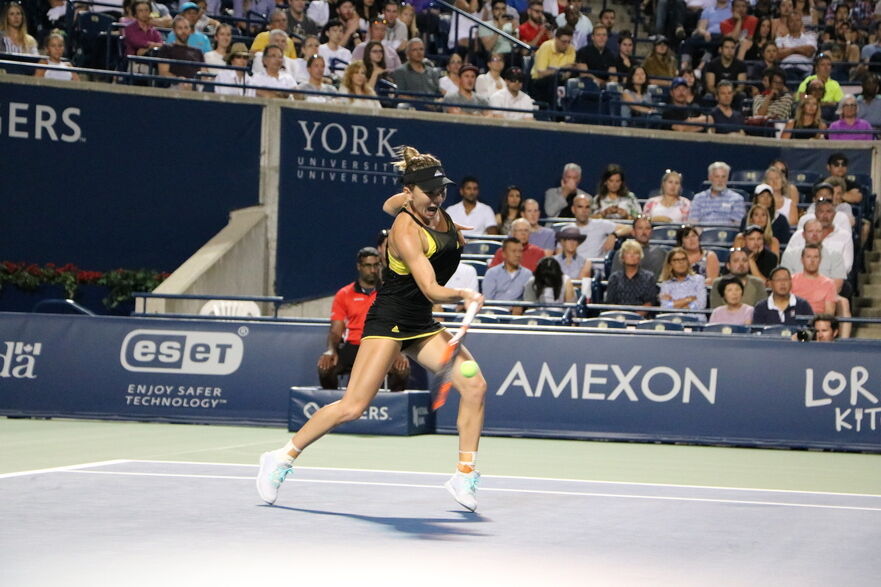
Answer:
(470, 312)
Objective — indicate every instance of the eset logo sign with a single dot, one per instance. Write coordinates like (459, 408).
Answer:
(180, 351)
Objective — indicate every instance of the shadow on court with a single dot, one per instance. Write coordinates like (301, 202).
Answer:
(422, 528)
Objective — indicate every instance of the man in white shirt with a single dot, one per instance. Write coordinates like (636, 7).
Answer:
(397, 33)
(469, 212)
(601, 233)
(831, 237)
(512, 97)
(583, 27)
(796, 50)
(333, 50)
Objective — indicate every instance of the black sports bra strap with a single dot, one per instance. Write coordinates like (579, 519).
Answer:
(411, 215)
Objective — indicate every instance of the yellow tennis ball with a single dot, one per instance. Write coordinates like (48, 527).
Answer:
(469, 368)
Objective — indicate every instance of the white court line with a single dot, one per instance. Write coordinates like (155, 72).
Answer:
(634, 483)
(501, 490)
(65, 468)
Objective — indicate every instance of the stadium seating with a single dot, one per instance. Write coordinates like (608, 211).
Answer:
(727, 328)
(602, 323)
(660, 325)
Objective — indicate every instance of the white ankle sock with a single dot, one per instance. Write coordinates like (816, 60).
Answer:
(284, 453)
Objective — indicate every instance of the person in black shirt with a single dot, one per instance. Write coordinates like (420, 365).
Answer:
(595, 56)
(724, 114)
(679, 110)
(726, 67)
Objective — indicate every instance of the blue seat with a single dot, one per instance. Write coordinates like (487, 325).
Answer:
(718, 235)
(621, 315)
(660, 325)
(602, 323)
(781, 330)
(479, 266)
(679, 318)
(482, 247)
(807, 177)
(495, 310)
(748, 175)
(485, 319)
(534, 320)
(665, 232)
(728, 328)
(549, 312)
(864, 180)
(722, 253)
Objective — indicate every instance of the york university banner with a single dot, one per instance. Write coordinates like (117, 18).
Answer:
(689, 389)
(153, 369)
(335, 173)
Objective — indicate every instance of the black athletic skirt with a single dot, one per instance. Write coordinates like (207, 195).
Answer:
(398, 320)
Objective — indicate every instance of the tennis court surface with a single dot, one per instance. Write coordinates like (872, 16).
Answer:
(144, 522)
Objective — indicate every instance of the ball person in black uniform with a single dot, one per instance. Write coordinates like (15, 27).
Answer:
(424, 247)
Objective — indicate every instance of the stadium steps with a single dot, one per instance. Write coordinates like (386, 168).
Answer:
(869, 303)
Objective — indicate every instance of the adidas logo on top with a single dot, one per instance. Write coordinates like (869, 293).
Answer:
(18, 359)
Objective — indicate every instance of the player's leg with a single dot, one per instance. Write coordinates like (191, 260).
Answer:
(472, 392)
(371, 364)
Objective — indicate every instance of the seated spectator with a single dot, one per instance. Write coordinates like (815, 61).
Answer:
(704, 262)
(54, 57)
(239, 80)
(530, 254)
(782, 306)
(613, 200)
(626, 60)
(726, 67)
(376, 37)
(775, 102)
(507, 280)
(759, 216)
(407, 16)
(833, 238)
(536, 29)
(637, 102)
(868, 104)
(558, 200)
(470, 212)
(764, 198)
(796, 48)
(767, 59)
(222, 43)
(491, 82)
(465, 96)
(509, 209)
(347, 315)
(597, 57)
(670, 205)
(548, 284)
(572, 17)
(734, 311)
(718, 204)
(738, 267)
(206, 24)
(512, 96)
(397, 34)
(694, 84)
(140, 37)
(573, 264)
(180, 50)
(375, 61)
(680, 109)
(417, 74)
(785, 194)
(810, 284)
(14, 37)
(761, 259)
(449, 83)
(299, 70)
(848, 121)
(190, 11)
(631, 285)
(492, 42)
(832, 93)
(279, 38)
(652, 256)
(680, 286)
(836, 165)
(843, 219)
(724, 116)
(335, 54)
(353, 26)
(741, 26)
(831, 262)
(299, 23)
(274, 80)
(660, 63)
(807, 120)
(825, 327)
(540, 236)
(601, 234)
(355, 82)
(552, 56)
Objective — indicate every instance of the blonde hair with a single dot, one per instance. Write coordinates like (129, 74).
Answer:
(632, 246)
(413, 160)
(667, 174)
(767, 233)
(667, 271)
(347, 86)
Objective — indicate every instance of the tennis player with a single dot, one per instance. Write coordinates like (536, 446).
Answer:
(424, 247)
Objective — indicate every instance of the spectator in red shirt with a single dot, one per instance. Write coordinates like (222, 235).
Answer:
(532, 254)
(819, 291)
(535, 30)
(741, 25)
(140, 36)
(347, 315)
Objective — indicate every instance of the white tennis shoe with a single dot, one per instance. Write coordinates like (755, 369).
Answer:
(463, 488)
(271, 475)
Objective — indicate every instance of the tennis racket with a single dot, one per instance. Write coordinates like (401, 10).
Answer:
(443, 381)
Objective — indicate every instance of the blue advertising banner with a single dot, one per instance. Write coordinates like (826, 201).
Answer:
(396, 414)
(739, 391)
(335, 173)
(154, 369)
(117, 180)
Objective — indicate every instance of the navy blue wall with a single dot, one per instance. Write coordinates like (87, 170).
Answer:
(119, 180)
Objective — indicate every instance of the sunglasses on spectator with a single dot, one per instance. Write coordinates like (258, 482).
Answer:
(838, 163)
